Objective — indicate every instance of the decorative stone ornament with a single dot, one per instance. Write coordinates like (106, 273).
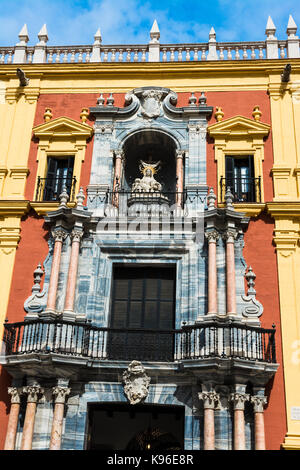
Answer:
(136, 383)
(192, 100)
(110, 100)
(80, 198)
(101, 100)
(63, 197)
(151, 103)
(84, 114)
(228, 199)
(60, 393)
(211, 200)
(47, 114)
(258, 401)
(210, 399)
(253, 307)
(219, 114)
(36, 302)
(239, 399)
(256, 113)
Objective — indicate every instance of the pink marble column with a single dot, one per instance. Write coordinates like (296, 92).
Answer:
(76, 236)
(209, 402)
(32, 391)
(259, 423)
(239, 400)
(117, 177)
(60, 394)
(230, 236)
(179, 177)
(59, 236)
(12, 426)
(212, 271)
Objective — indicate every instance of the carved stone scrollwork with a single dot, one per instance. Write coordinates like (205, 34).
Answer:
(258, 402)
(60, 393)
(33, 392)
(36, 301)
(210, 399)
(15, 394)
(239, 399)
(136, 382)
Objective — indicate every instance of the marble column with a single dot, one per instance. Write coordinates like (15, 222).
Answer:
(229, 237)
(32, 392)
(212, 238)
(239, 399)
(179, 177)
(60, 394)
(13, 419)
(117, 176)
(76, 236)
(210, 399)
(59, 236)
(259, 425)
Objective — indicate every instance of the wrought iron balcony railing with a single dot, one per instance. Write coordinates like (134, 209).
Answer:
(243, 189)
(49, 189)
(191, 342)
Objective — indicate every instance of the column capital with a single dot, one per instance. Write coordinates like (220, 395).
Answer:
(120, 154)
(15, 393)
(33, 392)
(60, 393)
(239, 399)
(229, 236)
(210, 399)
(59, 235)
(258, 402)
(76, 235)
(179, 153)
(212, 236)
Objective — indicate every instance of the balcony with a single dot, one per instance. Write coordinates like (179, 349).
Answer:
(244, 190)
(199, 342)
(49, 189)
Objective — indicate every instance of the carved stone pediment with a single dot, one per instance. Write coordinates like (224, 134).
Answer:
(136, 382)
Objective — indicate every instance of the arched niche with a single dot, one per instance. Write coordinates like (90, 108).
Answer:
(150, 146)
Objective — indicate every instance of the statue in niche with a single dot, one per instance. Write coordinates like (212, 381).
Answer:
(148, 183)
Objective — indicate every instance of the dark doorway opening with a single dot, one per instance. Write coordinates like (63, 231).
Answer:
(143, 427)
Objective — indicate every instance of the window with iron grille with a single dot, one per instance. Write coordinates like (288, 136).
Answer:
(59, 174)
(240, 178)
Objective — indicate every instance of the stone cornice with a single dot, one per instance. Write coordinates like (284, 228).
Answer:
(62, 127)
(249, 209)
(42, 208)
(13, 208)
(282, 209)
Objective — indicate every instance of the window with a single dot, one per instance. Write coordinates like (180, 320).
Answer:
(59, 174)
(239, 177)
(142, 313)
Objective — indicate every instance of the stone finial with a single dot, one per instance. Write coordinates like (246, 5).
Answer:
(192, 99)
(63, 197)
(211, 200)
(43, 35)
(84, 114)
(47, 114)
(291, 28)
(293, 50)
(212, 35)
(154, 33)
(23, 36)
(100, 100)
(229, 199)
(250, 278)
(80, 198)
(256, 113)
(270, 29)
(219, 114)
(98, 37)
(110, 100)
(37, 276)
(202, 99)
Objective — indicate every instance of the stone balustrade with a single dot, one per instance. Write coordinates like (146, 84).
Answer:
(154, 51)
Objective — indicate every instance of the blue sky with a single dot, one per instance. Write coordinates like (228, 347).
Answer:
(129, 21)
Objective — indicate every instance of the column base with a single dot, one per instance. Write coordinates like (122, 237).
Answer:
(291, 442)
(69, 315)
(49, 314)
